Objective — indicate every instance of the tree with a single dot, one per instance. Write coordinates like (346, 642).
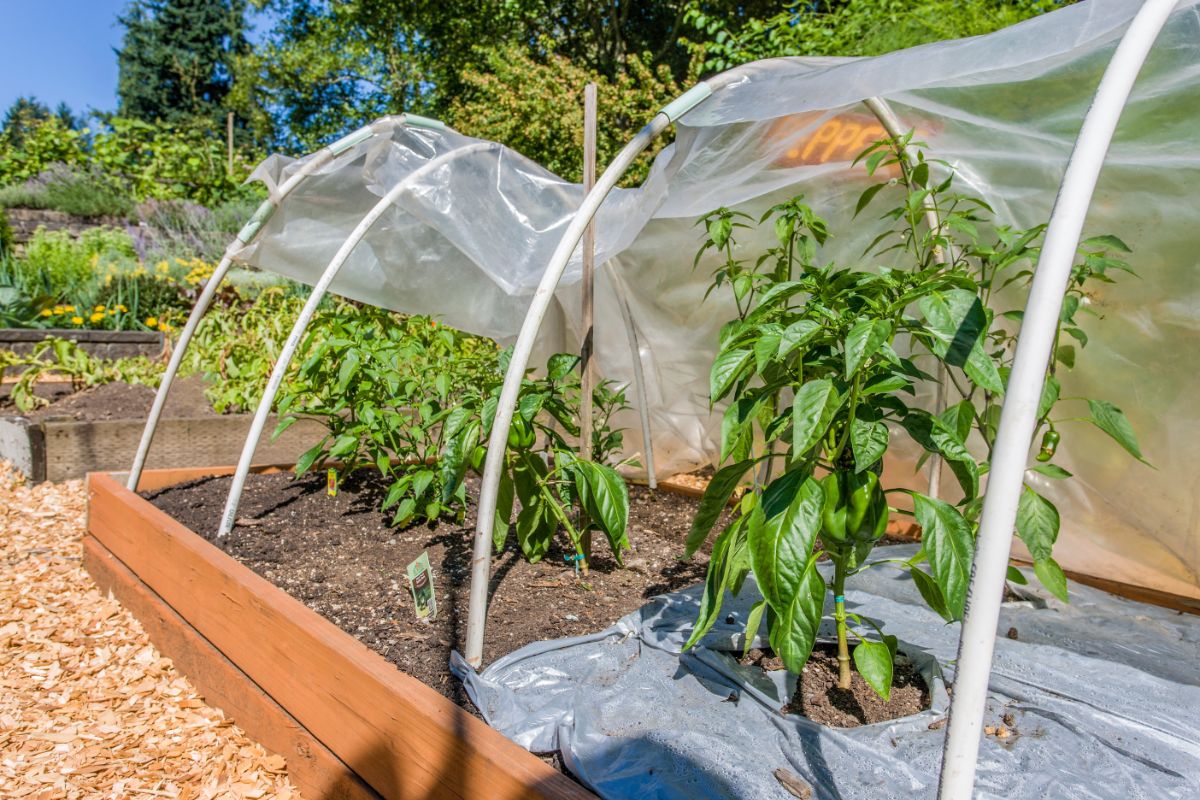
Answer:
(176, 58)
(25, 114)
(847, 27)
(326, 67)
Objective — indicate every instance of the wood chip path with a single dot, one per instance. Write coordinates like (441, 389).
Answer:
(88, 707)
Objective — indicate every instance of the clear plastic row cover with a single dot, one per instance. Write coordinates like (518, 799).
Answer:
(469, 240)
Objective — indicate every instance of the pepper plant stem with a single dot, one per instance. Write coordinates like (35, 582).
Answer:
(839, 616)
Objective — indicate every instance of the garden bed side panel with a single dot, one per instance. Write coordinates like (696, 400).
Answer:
(311, 766)
(23, 445)
(75, 448)
(404, 739)
(101, 344)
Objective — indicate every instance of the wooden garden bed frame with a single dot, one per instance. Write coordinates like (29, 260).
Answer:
(349, 723)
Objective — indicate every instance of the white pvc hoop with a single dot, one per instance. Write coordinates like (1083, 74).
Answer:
(246, 235)
(540, 304)
(1019, 415)
(229, 516)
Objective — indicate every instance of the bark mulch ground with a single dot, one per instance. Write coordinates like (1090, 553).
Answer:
(88, 707)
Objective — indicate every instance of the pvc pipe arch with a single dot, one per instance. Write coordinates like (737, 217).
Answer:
(244, 237)
(319, 291)
(1018, 418)
(538, 306)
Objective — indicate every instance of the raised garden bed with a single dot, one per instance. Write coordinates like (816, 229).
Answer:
(312, 671)
(99, 430)
(101, 344)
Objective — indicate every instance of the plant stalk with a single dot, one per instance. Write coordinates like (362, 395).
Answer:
(839, 616)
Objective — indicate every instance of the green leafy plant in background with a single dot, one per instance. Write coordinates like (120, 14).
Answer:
(817, 382)
(58, 358)
(542, 470)
(382, 385)
(235, 347)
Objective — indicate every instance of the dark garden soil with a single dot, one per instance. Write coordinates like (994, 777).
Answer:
(819, 698)
(114, 401)
(339, 556)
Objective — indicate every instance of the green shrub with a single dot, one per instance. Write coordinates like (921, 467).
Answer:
(84, 193)
(6, 235)
(61, 265)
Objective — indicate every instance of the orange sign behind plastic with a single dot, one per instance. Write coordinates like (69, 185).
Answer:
(839, 138)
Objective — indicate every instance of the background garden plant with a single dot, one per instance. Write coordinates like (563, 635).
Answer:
(823, 364)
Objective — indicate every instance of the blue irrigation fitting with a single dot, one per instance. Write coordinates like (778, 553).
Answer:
(417, 121)
(577, 557)
(350, 139)
(261, 215)
(686, 101)
(841, 598)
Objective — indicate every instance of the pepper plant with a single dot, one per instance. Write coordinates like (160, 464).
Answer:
(820, 370)
(542, 471)
(415, 400)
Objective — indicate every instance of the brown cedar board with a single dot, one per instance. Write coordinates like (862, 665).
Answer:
(403, 738)
(311, 766)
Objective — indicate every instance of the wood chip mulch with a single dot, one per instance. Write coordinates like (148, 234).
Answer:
(88, 707)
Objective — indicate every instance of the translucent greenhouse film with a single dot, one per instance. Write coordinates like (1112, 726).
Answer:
(469, 238)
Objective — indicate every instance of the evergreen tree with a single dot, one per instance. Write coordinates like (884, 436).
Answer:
(25, 114)
(176, 58)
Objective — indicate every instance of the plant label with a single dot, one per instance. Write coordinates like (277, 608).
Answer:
(331, 482)
(420, 580)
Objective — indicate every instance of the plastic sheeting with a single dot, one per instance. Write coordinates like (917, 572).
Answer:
(1103, 708)
(470, 241)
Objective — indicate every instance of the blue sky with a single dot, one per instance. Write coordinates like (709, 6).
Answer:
(60, 50)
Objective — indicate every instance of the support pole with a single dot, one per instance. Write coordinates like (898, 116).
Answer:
(891, 124)
(1019, 416)
(229, 141)
(587, 372)
(306, 314)
(538, 306)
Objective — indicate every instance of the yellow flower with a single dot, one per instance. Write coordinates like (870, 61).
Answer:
(47, 312)
(97, 316)
(112, 312)
(98, 308)
(69, 309)
(162, 267)
(162, 326)
(76, 320)
(151, 322)
(121, 307)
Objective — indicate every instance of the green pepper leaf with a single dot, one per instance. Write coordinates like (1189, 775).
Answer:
(714, 582)
(796, 623)
(1052, 577)
(504, 505)
(1037, 523)
(812, 411)
(929, 590)
(726, 369)
(753, 622)
(605, 498)
(1112, 420)
(713, 502)
(863, 341)
(868, 441)
(948, 543)
(874, 662)
(781, 543)
(958, 322)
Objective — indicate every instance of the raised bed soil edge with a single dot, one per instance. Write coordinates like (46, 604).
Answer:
(401, 738)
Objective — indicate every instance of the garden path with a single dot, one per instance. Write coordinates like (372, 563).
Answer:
(88, 707)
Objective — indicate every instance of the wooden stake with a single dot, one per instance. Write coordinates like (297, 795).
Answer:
(229, 140)
(587, 375)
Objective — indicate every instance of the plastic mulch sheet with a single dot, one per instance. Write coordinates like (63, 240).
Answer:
(1103, 696)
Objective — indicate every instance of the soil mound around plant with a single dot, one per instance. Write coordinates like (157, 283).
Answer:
(117, 401)
(818, 697)
(340, 557)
